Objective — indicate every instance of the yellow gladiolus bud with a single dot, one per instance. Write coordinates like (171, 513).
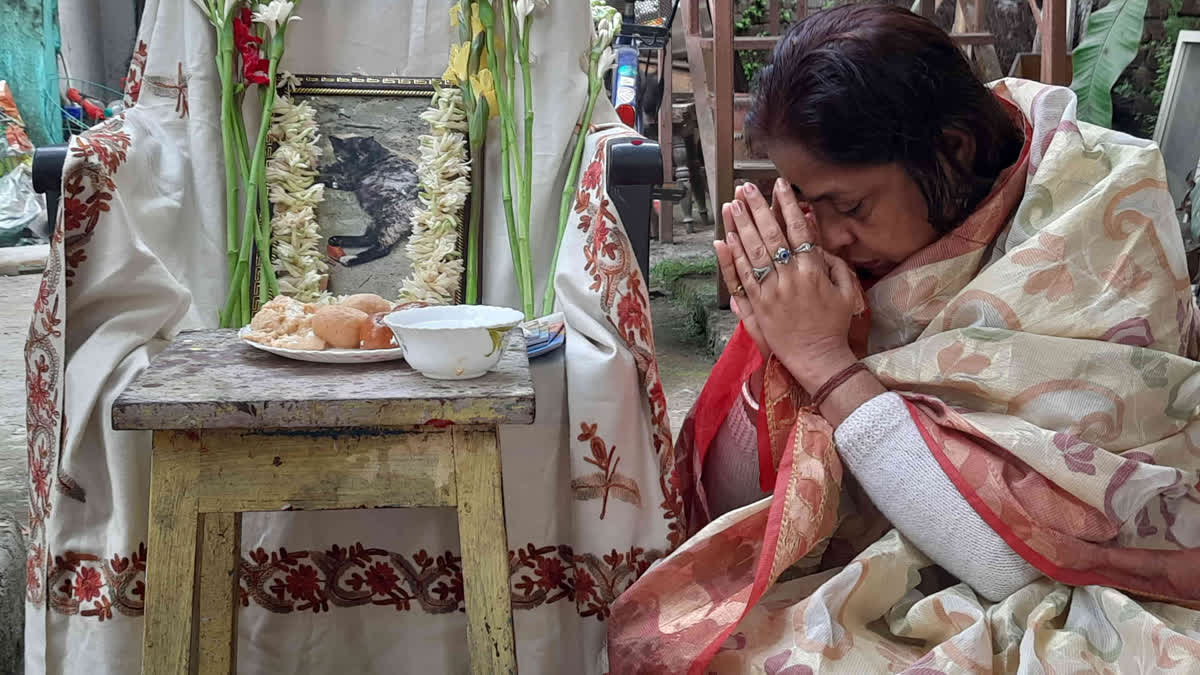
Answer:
(484, 86)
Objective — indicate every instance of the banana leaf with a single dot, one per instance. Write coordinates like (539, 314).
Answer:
(1111, 42)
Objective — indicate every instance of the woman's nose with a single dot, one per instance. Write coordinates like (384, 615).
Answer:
(835, 235)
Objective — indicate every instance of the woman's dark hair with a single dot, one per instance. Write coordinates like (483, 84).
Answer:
(871, 84)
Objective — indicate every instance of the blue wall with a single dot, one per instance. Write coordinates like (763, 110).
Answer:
(29, 41)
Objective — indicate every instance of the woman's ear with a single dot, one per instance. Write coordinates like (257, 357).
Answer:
(961, 146)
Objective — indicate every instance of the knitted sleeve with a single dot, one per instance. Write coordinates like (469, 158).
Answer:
(884, 449)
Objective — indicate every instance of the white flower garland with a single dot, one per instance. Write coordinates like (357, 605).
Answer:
(444, 173)
(291, 171)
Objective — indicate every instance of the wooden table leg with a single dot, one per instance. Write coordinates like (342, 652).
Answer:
(221, 535)
(171, 551)
(484, 544)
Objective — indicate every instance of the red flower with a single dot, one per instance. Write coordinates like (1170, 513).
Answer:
(88, 584)
(593, 175)
(254, 66)
(550, 572)
(242, 34)
(381, 578)
(303, 583)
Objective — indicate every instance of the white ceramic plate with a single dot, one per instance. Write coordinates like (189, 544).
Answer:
(329, 355)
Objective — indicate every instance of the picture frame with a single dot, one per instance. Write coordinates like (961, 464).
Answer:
(1175, 131)
(369, 139)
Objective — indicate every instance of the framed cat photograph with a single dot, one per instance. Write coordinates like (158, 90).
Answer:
(369, 127)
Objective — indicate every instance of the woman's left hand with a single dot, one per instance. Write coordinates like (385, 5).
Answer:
(804, 304)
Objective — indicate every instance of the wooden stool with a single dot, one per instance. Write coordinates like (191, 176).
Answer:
(237, 429)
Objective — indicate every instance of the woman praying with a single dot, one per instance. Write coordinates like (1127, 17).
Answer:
(957, 428)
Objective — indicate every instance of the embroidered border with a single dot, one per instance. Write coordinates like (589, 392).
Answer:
(283, 581)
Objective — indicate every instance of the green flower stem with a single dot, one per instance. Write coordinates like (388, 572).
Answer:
(471, 296)
(571, 185)
(507, 147)
(225, 71)
(527, 183)
(268, 284)
(239, 291)
(511, 44)
(477, 117)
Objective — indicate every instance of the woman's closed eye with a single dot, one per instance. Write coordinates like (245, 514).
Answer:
(851, 209)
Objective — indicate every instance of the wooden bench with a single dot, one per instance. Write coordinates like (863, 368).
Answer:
(237, 429)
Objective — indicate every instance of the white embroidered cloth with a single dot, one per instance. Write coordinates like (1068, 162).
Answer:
(139, 256)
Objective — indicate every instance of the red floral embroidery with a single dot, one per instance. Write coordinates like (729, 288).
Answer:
(94, 159)
(88, 186)
(88, 584)
(132, 83)
(295, 581)
(177, 88)
(608, 258)
(607, 481)
(593, 175)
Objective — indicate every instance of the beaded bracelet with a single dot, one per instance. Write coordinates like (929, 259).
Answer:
(836, 381)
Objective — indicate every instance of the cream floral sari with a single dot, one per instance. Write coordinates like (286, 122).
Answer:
(1046, 348)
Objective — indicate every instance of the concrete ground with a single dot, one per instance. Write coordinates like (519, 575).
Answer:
(683, 355)
(18, 293)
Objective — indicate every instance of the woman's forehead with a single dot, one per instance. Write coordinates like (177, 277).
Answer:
(816, 180)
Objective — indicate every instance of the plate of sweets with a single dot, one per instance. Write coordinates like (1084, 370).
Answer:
(349, 330)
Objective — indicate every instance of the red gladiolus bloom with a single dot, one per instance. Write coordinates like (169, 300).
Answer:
(254, 67)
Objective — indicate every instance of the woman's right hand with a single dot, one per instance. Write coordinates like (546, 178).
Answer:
(729, 274)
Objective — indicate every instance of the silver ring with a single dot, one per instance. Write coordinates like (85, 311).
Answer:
(804, 248)
(761, 273)
(782, 256)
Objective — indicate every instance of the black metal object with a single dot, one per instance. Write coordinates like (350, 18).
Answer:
(634, 181)
(47, 168)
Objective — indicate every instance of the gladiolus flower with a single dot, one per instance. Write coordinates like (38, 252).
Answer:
(456, 70)
(483, 85)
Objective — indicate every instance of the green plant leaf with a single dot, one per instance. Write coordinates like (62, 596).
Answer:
(1196, 202)
(1113, 36)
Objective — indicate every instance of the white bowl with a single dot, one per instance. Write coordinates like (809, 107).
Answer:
(456, 342)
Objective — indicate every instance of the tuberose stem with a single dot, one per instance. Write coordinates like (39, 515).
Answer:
(507, 141)
(527, 183)
(225, 71)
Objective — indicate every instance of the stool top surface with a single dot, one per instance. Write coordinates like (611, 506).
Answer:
(211, 379)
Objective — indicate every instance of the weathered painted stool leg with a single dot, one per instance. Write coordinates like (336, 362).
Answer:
(484, 544)
(171, 547)
(221, 534)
